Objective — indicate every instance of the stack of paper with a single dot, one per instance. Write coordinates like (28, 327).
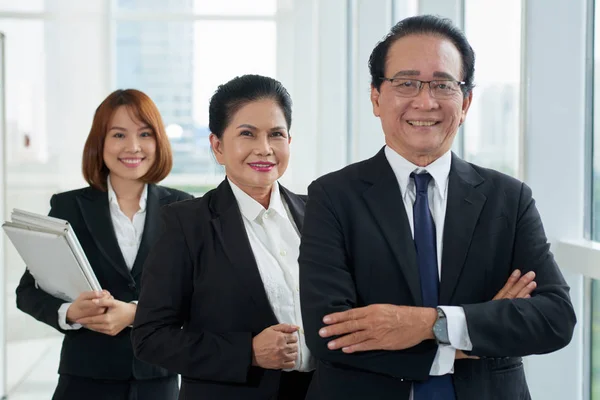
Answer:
(52, 253)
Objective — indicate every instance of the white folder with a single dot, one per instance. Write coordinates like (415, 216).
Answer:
(52, 253)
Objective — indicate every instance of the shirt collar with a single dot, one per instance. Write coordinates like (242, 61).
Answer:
(439, 170)
(252, 209)
(112, 196)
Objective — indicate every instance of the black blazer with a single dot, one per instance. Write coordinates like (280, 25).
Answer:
(357, 249)
(203, 300)
(86, 353)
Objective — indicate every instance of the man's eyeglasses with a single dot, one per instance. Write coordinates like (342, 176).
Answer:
(438, 89)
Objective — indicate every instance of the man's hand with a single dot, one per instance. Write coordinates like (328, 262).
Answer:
(118, 316)
(461, 356)
(276, 347)
(379, 327)
(84, 306)
(516, 288)
(390, 327)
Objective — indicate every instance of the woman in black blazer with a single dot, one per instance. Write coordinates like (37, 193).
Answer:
(116, 220)
(219, 301)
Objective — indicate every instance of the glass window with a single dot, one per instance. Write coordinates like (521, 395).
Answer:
(491, 130)
(201, 7)
(179, 65)
(595, 227)
(22, 5)
(26, 151)
(595, 342)
(28, 160)
(26, 142)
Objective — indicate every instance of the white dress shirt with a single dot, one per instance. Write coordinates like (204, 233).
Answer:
(129, 236)
(437, 194)
(275, 243)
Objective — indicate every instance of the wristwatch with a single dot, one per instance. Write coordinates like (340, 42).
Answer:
(440, 328)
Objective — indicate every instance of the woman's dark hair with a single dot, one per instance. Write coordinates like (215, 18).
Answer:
(241, 90)
(424, 25)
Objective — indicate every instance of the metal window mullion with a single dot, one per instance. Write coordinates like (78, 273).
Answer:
(589, 122)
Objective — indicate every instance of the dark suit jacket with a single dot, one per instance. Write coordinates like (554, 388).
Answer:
(203, 300)
(86, 353)
(357, 249)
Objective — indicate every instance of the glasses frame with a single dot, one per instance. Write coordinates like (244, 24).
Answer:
(422, 83)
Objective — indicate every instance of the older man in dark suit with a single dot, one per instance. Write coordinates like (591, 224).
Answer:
(402, 254)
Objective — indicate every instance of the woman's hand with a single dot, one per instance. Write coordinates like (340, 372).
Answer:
(117, 317)
(276, 347)
(84, 305)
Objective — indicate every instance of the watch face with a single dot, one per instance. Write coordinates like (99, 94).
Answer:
(437, 330)
(440, 330)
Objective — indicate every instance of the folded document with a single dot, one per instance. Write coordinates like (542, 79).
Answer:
(52, 253)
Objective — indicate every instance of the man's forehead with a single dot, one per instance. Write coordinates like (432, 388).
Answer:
(423, 55)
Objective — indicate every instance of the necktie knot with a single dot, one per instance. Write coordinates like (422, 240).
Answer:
(421, 181)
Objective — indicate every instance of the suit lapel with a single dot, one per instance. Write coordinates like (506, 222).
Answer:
(151, 226)
(385, 203)
(96, 214)
(465, 203)
(296, 206)
(231, 232)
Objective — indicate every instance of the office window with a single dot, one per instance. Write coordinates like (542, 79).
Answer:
(201, 7)
(595, 226)
(492, 129)
(26, 142)
(595, 341)
(179, 64)
(30, 160)
(595, 223)
(22, 5)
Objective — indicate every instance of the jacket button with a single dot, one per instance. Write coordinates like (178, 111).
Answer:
(131, 286)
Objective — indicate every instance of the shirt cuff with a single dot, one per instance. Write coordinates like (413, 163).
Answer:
(458, 332)
(62, 318)
(443, 363)
(136, 303)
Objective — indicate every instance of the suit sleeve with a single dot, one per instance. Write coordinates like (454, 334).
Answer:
(160, 335)
(327, 286)
(34, 301)
(521, 327)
